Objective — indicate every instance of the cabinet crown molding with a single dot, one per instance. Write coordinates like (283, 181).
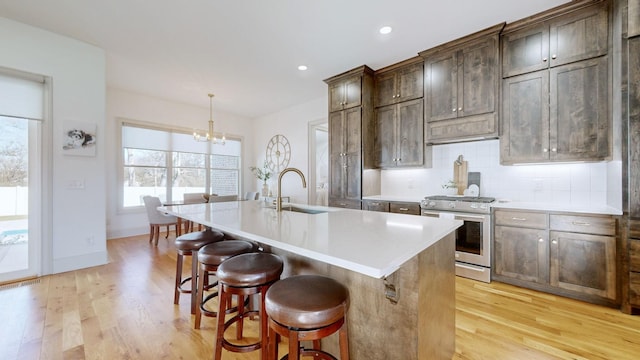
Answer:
(552, 14)
(482, 34)
(360, 70)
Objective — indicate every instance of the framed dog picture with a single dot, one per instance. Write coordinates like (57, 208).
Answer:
(79, 138)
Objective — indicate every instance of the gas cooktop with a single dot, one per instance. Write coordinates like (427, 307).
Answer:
(477, 199)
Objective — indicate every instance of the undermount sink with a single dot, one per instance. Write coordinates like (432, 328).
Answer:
(287, 207)
(303, 210)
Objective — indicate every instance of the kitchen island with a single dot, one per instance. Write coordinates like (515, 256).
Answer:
(399, 269)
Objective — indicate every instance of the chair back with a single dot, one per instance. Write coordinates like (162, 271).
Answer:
(193, 198)
(251, 195)
(151, 204)
(223, 198)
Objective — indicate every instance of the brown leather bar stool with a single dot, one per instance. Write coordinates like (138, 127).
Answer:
(186, 245)
(307, 307)
(245, 275)
(210, 257)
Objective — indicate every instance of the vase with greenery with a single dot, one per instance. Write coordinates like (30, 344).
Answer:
(262, 174)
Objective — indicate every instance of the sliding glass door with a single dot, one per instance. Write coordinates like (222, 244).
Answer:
(21, 104)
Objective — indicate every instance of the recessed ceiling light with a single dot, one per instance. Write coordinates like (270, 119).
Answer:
(385, 29)
(302, 67)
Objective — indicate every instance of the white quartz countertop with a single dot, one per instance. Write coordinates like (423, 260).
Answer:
(371, 243)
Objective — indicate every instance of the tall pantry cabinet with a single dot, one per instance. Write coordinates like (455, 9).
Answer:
(350, 135)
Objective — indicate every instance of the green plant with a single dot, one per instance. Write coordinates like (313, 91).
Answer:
(261, 173)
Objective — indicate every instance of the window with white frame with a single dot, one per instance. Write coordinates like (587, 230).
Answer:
(168, 163)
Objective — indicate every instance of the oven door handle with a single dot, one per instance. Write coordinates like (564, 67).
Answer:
(479, 218)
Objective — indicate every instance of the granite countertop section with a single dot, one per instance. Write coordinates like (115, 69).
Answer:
(371, 243)
(393, 198)
(586, 209)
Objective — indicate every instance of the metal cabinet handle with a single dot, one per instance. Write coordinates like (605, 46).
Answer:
(544, 59)
(545, 150)
(459, 109)
(454, 109)
(403, 209)
(553, 56)
(375, 203)
(518, 219)
(541, 240)
(580, 223)
(554, 149)
(554, 241)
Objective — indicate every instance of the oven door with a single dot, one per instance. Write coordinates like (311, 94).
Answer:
(473, 238)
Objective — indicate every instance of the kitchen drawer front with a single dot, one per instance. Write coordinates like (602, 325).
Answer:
(344, 203)
(634, 288)
(601, 225)
(634, 255)
(405, 208)
(526, 219)
(634, 229)
(375, 205)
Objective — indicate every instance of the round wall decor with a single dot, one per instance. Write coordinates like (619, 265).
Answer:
(278, 153)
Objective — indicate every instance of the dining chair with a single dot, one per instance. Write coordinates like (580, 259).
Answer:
(192, 198)
(157, 219)
(223, 198)
(251, 195)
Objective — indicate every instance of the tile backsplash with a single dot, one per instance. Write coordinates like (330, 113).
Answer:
(571, 184)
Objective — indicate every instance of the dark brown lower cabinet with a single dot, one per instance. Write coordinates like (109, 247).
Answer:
(572, 255)
(411, 208)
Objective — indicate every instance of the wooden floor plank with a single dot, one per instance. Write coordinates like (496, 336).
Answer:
(125, 310)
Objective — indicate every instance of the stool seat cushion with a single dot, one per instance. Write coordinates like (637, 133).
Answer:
(195, 240)
(217, 252)
(307, 301)
(252, 269)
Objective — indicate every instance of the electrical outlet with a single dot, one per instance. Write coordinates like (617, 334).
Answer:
(538, 185)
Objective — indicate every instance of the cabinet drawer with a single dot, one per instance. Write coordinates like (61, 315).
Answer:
(405, 208)
(521, 219)
(344, 203)
(634, 229)
(601, 225)
(634, 255)
(375, 205)
(634, 288)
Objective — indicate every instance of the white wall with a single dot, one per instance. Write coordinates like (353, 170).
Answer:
(293, 124)
(74, 235)
(131, 106)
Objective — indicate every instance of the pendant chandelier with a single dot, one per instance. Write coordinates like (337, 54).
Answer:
(209, 135)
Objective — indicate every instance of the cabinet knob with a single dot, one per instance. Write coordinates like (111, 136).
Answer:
(397, 95)
(541, 240)
(454, 109)
(545, 150)
(554, 149)
(554, 241)
(553, 56)
(393, 97)
(399, 159)
(544, 59)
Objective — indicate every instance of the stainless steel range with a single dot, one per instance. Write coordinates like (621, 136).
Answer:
(473, 239)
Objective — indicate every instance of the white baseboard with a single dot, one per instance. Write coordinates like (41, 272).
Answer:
(80, 262)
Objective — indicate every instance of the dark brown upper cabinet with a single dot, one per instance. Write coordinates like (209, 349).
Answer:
(578, 35)
(461, 88)
(400, 83)
(345, 93)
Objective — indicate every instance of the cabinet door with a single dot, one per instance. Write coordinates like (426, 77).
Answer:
(353, 150)
(442, 83)
(336, 153)
(478, 78)
(634, 128)
(410, 138)
(521, 254)
(336, 96)
(353, 176)
(579, 36)
(353, 92)
(525, 118)
(584, 263)
(525, 50)
(405, 208)
(385, 89)
(410, 82)
(579, 121)
(385, 135)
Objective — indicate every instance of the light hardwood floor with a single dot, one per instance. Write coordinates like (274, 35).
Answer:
(124, 310)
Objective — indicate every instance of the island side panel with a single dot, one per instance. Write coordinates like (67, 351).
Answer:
(436, 320)
(421, 322)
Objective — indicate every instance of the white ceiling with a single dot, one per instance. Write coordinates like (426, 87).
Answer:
(247, 51)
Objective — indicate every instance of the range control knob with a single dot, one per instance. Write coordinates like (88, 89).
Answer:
(431, 204)
(473, 206)
(452, 205)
